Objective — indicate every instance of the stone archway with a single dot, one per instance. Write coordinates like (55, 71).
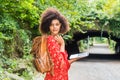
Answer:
(72, 46)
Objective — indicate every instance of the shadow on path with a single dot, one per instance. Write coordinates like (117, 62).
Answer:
(104, 56)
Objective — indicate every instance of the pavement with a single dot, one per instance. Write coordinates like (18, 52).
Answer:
(95, 70)
(100, 49)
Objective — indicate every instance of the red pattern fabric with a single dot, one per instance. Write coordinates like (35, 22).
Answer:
(61, 64)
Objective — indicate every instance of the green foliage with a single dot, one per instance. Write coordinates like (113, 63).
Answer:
(24, 11)
(112, 46)
(82, 45)
(16, 18)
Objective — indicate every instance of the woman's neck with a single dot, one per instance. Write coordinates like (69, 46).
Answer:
(54, 34)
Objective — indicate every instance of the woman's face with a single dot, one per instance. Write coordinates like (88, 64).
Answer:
(55, 27)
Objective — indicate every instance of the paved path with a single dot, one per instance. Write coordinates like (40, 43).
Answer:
(100, 49)
(95, 69)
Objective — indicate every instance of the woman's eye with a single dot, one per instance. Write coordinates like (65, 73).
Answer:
(54, 24)
(57, 24)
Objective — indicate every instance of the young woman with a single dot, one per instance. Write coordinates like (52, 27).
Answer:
(53, 24)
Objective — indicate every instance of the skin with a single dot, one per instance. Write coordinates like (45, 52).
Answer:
(54, 30)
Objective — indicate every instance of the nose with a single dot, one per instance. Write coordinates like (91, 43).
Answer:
(55, 26)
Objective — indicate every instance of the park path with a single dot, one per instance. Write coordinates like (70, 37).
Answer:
(95, 69)
(100, 49)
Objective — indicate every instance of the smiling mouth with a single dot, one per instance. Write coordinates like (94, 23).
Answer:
(55, 30)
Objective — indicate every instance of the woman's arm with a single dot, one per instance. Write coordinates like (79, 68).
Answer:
(62, 48)
(73, 60)
(56, 53)
(60, 40)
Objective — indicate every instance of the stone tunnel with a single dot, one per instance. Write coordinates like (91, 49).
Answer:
(72, 47)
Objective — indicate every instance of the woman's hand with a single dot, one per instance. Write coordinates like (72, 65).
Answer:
(73, 60)
(60, 40)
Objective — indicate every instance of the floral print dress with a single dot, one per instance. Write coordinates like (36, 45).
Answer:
(60, 61)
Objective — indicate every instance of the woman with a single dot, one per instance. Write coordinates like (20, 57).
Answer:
(53, 24)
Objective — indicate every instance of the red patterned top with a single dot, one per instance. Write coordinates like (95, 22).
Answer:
(61, 64)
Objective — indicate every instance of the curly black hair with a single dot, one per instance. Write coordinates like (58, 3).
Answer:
(46, 18)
